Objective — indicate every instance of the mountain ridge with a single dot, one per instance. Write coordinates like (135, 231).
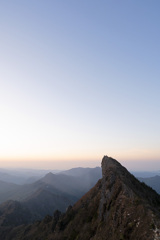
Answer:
(118, 207)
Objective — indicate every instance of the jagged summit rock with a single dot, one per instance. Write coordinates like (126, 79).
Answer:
(109, 162)
(118, 207)
(110, 165)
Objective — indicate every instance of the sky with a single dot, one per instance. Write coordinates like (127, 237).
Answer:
(79, 80)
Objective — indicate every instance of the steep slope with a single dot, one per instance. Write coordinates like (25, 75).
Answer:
(119, 207)
(153, 182)
(45, 201)
(13, 214)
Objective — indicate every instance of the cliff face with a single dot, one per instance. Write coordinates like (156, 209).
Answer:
(129, 209)
(119, 207)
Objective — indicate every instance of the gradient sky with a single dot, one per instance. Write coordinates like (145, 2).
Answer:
(79, 80)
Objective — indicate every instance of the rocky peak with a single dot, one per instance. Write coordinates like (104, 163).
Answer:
(115, 177)
(110, 165)
(108, 162)
(118, 207)
(114, 185)
(121, 196)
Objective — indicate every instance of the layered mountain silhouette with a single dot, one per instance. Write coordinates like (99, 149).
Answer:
(153, 182)
(76, 181)
(30, 202)
(118, 207)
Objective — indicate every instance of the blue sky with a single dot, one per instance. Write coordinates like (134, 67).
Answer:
(78, 80)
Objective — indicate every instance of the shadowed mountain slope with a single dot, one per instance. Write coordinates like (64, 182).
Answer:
(34, 201)
(119, 207)
(75, 182)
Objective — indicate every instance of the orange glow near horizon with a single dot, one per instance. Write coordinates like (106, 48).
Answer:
(77, 93)
(84, 155)
(79, 157)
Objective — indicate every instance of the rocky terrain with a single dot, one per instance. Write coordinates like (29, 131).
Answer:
(118, 207)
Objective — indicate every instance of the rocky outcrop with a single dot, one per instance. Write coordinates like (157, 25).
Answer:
(115, 179)
(127, 205)
(119, 207)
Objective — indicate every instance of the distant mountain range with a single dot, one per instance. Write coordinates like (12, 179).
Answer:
(17, 177)
(145, 174)
(22, 176)
(54, 191)
(153, 182)
(118, 207)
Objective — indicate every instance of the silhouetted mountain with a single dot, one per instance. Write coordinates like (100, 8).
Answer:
(13, 213)
(72, 185)
(153, 182)
(20, 177)
(45, 201)
(42, 197)
(23, 176)
(7, 190)
(77, 172)
(6, 177)
(87, 177)
(140, 174)
(119, 207)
